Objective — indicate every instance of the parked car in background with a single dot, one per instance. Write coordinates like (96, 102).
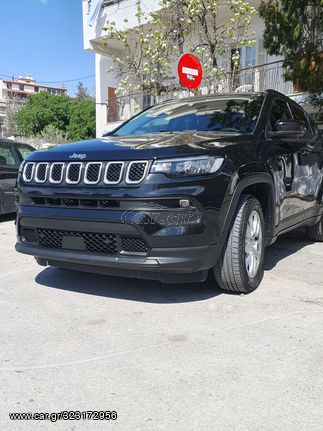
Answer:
(12, 153)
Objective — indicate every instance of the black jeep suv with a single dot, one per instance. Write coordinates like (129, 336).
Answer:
(184, 187)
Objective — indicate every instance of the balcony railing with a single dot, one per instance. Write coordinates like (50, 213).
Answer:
(254, 79)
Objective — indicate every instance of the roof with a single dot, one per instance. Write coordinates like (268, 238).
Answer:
(32, 84)
(12, 141)
(232, 95)
(222, 95)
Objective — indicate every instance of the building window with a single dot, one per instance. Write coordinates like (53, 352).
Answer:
(250, 56)
(36, 89)
(21, 87)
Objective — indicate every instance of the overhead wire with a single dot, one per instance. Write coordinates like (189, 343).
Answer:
(53, 82)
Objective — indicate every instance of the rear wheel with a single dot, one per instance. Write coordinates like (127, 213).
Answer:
(240, 266)
(315, 232)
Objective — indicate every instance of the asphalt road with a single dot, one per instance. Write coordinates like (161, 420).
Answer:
(165, 357)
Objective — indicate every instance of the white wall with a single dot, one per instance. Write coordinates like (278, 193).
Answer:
(2, 90)
(103, 80)
(117, 13)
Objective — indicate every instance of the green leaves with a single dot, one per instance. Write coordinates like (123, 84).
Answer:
(149, 50)
(293, 29)
(82, 120)
(74, 120)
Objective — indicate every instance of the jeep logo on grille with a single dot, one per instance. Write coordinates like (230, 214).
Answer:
(78, 156)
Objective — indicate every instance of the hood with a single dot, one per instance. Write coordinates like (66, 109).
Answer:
(147, 147)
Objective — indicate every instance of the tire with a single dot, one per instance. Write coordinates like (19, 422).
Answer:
(1, 203)
(315, 232)
(240, 266)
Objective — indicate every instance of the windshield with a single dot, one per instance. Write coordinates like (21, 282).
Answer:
(225, 114)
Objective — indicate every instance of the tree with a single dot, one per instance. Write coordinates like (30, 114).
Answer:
(154, 45)
(220, 39)
(82, 120)
(60, 117)
(42, 110)
(82, 92)
(145, 62)
(294, 29)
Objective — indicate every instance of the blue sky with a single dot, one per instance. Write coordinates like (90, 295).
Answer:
(44, 38)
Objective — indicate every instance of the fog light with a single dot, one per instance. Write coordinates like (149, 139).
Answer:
(184, 203)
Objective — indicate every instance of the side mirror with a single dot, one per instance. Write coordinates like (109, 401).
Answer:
(287, 129)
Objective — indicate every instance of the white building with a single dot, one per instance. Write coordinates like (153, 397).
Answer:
(3, 111)
(14, 93)
(267, 70)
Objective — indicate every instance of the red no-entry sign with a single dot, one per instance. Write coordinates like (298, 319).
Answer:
(190, 71)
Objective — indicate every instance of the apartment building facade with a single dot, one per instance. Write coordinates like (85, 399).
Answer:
(13, 95)
(266, 70)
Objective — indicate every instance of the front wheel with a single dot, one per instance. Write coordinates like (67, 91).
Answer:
(240, 266)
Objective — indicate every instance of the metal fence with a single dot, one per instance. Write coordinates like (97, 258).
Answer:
(257, 78)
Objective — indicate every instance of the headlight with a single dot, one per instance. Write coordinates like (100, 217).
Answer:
(189, 166)
(20, 170)
(21, 167)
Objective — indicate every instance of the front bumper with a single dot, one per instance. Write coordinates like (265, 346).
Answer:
(185, 241)
(186, 264)
(183, 249)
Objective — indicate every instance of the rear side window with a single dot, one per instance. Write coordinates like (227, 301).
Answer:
(24, 151)
(300, 116)
(279, 112)
(7, 157)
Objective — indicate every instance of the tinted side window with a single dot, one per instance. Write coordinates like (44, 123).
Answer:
(7, 157)
(279, 112)
(299, 115)
(24, 151)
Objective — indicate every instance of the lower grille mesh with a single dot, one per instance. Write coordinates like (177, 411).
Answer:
(103, 243)
(134, 245)
(77, 203)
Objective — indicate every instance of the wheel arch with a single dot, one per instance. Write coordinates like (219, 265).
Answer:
(260, 186)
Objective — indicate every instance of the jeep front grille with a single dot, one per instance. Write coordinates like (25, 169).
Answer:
(113, 172)
(136, 172)
(56, 173)
(73, 174)
(28, 172)
(102, 243)
(41, 172)
(92, 173)
(86, 173)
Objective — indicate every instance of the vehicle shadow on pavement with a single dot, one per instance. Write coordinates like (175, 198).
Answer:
(154, 291)
(126, 288)
(285, 246)
(7, 217)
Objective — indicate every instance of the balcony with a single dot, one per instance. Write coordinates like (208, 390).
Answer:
(96, 13)
(258, 78)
